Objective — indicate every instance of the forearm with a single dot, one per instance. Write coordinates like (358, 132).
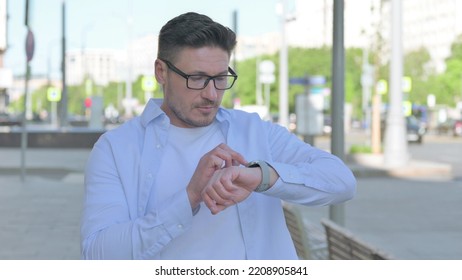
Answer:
(322, 182)
(141, 238)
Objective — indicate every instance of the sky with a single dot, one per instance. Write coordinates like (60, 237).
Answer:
(104, 24)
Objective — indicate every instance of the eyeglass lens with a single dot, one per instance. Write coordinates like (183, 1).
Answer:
(200, 81)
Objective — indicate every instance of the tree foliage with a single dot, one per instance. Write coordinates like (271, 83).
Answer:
(447, 86)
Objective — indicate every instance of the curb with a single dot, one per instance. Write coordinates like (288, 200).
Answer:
(368, 165)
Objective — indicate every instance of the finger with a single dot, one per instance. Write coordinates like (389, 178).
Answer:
(237, 163)
(216, 162)
(218, 208)
(213, 206)
(208, 201)
(219, 195)
(231, 157)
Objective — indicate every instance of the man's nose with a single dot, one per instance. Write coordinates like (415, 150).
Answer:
(210, 92)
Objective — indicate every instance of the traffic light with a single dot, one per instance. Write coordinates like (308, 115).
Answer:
(87, 102)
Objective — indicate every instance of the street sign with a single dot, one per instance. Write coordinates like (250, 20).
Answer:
(382, 86)
(407, 84)
(431, 100)
(266, 72)
(148, 83)
(267, 78)
(317, 90)
(53, 94)
(30, 45)
(6, 78)
(266, 67)
(407, 108)
(299, 81)
(316, 80)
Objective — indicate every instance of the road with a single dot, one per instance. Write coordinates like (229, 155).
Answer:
(436, 148)
(442, 149)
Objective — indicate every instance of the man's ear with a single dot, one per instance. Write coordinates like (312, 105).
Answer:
(160, 71)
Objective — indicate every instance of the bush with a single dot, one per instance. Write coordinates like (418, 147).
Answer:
(360, 149)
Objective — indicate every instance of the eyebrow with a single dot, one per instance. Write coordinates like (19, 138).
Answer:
(219, 74)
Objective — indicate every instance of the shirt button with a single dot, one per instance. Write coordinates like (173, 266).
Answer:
(158, 146)
(149, 176)
(180, 226)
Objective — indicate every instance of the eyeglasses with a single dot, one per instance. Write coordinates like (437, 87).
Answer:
(221, 82)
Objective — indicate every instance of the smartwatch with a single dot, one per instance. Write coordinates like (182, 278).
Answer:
(265, 173)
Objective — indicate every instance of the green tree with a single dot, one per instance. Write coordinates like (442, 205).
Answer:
(302, 62)
(417, 67)
(447, 87)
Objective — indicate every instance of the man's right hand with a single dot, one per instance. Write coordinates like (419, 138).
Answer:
(220, 157)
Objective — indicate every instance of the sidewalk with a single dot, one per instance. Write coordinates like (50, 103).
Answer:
(40, 216)
(370, 165)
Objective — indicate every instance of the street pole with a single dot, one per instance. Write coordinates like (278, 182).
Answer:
(24, 135)
(235, 26)
(283, 71)
(128, 82)
(30, 47)
(395, 151)
(63, 101)
(366, 83)
(337, 212)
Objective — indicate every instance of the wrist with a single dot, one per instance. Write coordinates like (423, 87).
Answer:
(194, 200)
(265, 174)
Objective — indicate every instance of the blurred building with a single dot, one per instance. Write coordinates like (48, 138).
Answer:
(99, 65)
(108, 65)
(310, 26)
(432, 24)
(250, 46)
(144, 53)
(313, 21)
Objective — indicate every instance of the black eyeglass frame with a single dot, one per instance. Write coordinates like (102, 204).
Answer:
(206, 82)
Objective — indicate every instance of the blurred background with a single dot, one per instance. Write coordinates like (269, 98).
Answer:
(110, 46)
(72, 69)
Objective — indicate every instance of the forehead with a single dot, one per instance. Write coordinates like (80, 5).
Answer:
(207, 59)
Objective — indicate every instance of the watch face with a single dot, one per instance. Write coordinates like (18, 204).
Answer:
(253, 164)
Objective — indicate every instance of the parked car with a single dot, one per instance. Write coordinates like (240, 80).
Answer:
(450, 127)
(9, 120)
(415, 129)
(457, 128)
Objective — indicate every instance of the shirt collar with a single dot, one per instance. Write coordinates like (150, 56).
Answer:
(153, 111)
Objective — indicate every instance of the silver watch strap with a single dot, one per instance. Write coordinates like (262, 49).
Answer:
(265, 173)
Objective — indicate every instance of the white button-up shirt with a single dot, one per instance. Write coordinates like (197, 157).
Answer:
(118, 224)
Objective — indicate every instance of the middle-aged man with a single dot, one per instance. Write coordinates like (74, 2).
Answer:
(188, 179)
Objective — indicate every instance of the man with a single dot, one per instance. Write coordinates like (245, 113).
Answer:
(191, 180)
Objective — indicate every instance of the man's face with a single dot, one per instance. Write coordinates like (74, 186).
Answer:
(188, 107)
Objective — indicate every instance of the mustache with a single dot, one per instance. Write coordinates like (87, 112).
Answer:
(207, 103)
